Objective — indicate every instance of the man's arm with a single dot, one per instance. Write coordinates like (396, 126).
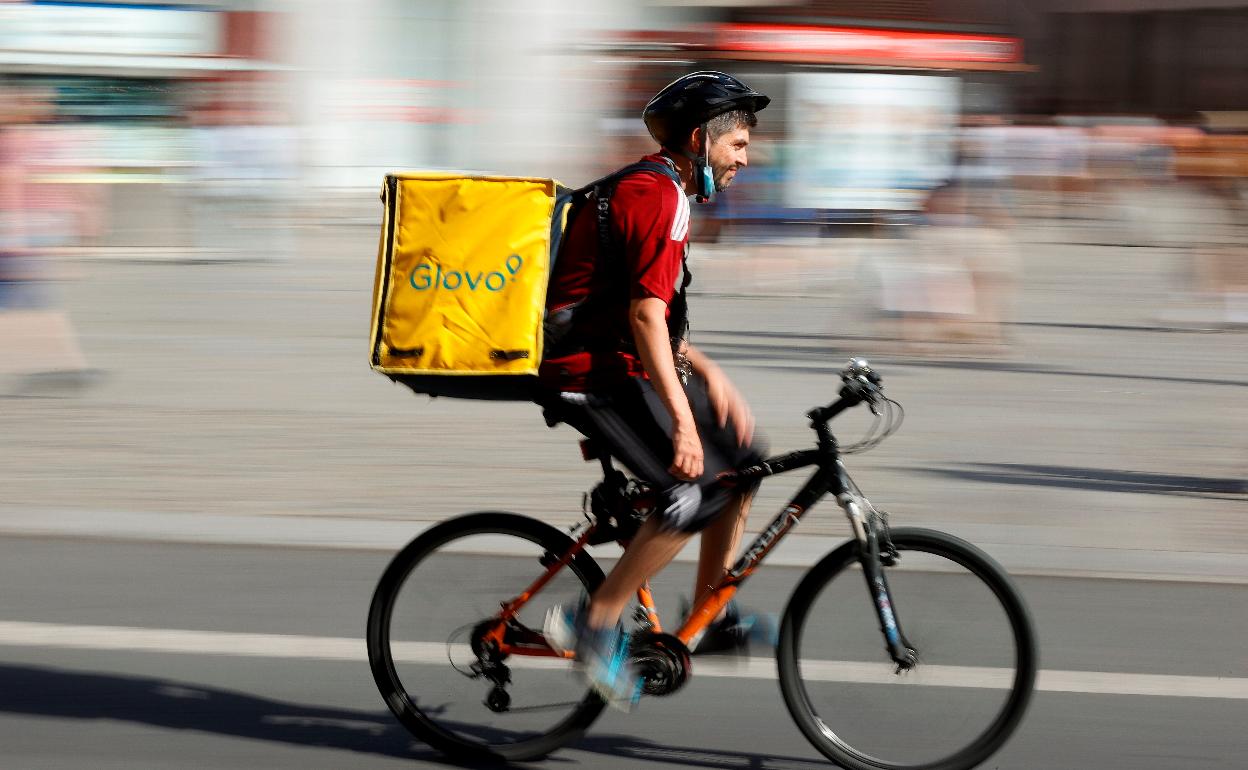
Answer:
(725, 399)
(648, 319)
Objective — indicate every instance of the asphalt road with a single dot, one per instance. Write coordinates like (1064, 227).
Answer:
(269, 669)
(1099, 442)
(237, 409)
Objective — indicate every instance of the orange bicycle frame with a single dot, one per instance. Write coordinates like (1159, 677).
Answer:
(709, 606)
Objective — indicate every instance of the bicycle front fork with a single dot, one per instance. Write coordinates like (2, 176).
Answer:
(865, 532)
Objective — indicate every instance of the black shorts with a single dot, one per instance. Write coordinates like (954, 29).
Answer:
(632, 423)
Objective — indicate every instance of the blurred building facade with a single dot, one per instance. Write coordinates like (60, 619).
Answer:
(871, 92)
(120, 84)
(1142, 57)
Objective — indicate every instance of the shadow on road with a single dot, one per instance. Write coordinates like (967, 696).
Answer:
(629, 747)
(1094, 479)
(66, 694)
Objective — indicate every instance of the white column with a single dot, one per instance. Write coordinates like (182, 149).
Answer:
(526, 96)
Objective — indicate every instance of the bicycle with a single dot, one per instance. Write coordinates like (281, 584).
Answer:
(531, 706)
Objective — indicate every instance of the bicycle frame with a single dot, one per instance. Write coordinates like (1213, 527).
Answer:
(829, 478)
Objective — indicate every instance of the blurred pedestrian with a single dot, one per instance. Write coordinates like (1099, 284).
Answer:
(1208, 223)
(37, 340)
(1221, 260)
(926, 285)
(246, 164)
(954, 280)
(995, 265)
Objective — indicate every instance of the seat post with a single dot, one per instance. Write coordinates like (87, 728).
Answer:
(593, 450)
(608, 468)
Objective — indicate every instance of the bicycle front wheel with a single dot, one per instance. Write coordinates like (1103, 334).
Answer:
(431, 608)
(974, 641)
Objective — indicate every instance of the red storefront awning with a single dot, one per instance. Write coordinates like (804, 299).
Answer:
(853, 45)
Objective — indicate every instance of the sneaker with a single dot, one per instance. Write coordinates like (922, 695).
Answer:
(603, 657)
(734, 632)
(559, 627)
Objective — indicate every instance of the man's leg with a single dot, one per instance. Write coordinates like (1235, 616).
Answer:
(720, 542)
(650, 551)
(601, 647)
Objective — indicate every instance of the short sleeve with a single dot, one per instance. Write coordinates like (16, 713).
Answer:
(651, 214)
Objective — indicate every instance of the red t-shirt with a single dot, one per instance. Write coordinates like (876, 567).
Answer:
(650, 229)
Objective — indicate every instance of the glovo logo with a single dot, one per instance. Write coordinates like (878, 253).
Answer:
(426, 276)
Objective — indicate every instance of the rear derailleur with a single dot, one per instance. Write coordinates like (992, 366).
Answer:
(489, 665)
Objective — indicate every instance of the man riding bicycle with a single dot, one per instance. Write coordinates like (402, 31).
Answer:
(623, 372)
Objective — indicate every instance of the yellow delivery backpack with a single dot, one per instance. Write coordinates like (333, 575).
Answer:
(460, 290)
(459, 297)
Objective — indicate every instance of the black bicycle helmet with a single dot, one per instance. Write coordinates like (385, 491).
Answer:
(693, 99)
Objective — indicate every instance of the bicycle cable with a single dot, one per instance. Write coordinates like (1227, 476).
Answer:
(450, 640)
(892, 415)
(858, 447)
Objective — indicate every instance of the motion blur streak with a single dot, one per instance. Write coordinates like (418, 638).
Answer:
(1030, 216)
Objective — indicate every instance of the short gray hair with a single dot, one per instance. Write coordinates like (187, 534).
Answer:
(730, 121)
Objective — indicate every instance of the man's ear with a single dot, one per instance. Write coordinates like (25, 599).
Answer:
(694, 145)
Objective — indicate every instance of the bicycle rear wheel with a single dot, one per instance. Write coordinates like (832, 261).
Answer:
(976, 658)
(430, 605)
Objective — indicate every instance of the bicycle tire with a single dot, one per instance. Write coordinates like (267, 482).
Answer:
(382, 658)
(823, 736)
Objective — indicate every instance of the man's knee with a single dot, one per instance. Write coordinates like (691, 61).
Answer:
(681, 508)
(688, 508)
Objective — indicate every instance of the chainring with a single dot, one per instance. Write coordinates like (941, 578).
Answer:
(662, 660)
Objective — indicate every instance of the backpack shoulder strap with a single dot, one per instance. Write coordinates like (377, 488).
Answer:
(609, 181)
(603, 189)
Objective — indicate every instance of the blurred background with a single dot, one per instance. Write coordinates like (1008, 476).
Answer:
(1029, 214)
(1035, 209)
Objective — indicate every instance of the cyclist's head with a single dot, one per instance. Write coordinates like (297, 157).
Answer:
(707, 117)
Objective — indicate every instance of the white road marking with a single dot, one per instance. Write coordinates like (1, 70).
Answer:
(162, 640)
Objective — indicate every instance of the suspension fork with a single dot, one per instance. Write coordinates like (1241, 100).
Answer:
(899, 649)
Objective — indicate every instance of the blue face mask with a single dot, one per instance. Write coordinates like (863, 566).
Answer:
(706, 178)
(706, 182)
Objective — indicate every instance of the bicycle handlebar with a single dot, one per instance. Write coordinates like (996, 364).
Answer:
(861, 383)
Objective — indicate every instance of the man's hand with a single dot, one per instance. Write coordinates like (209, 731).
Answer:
(648, 319)
(686, 450)
(728, 403)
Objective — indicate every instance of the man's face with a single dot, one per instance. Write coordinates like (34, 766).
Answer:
(727, 154)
